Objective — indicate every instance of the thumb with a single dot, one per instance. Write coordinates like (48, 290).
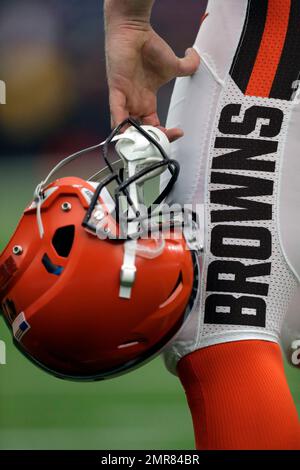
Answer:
(189, 64)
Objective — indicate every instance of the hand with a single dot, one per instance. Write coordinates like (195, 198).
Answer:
(139, 62)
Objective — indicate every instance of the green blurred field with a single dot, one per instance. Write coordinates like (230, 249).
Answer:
(142, 410)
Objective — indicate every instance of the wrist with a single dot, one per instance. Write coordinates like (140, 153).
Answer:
(128, 12)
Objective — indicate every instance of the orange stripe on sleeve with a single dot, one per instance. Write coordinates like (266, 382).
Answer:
(270, 49)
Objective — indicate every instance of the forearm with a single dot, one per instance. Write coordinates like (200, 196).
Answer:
(127, 10)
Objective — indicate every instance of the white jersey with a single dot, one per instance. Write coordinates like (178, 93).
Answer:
(240, 158)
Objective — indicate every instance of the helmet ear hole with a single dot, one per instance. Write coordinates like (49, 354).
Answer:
(63, 239)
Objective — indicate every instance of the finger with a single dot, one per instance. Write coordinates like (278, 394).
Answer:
(172, 134)
(151, 120)
(119, 112)
(189, 64)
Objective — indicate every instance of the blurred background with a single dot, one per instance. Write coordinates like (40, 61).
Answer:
(52, 61)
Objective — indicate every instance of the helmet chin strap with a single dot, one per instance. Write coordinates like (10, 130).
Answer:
(128, 269)
(137, 153)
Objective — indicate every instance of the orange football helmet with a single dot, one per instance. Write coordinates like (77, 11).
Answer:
(84, 299)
